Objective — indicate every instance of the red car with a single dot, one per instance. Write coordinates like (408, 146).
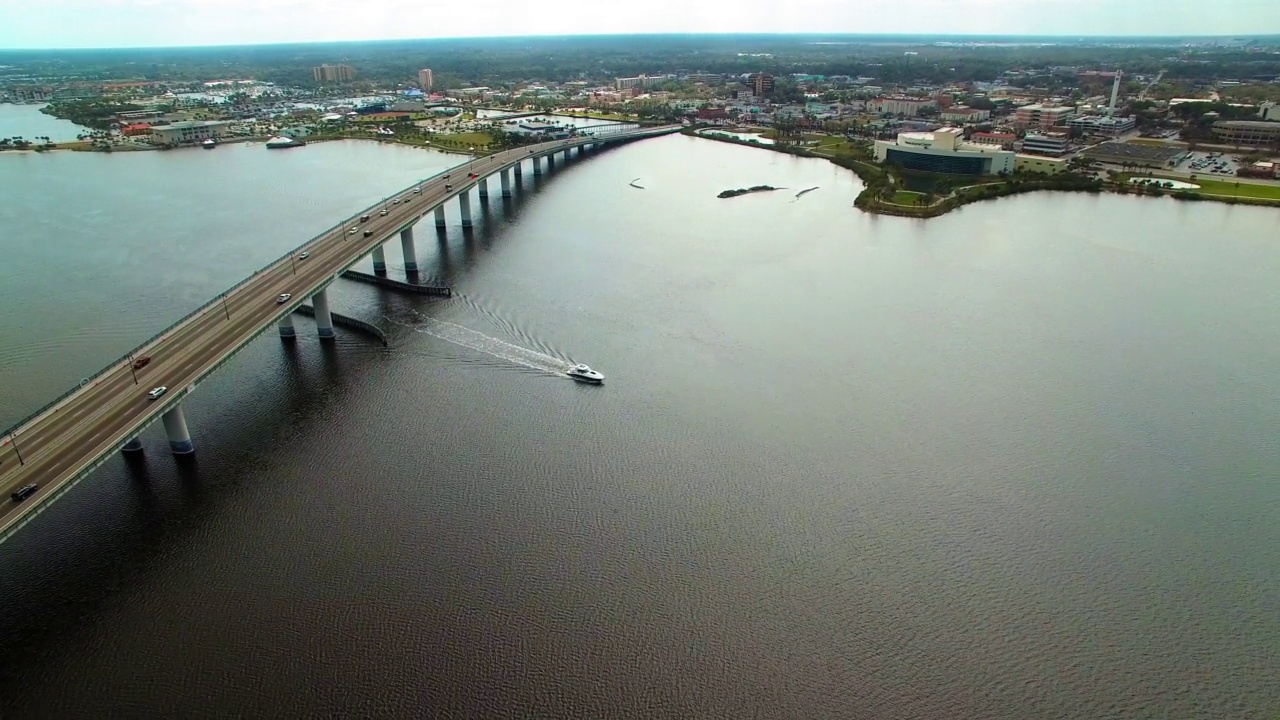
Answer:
(141, 362)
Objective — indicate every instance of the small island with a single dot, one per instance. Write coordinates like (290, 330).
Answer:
(740, 191)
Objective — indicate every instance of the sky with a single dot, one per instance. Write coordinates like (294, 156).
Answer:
(26, 24)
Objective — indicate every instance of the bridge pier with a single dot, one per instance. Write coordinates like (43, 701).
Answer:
(506, 183)
(175, 426)
(537, 166)
(440, 217)
(484, 189)
(379, 261)
(551, 161)
(410, 254)
(324, 321)
(134, 445)
(464, 200)
(286, 327)
(518, 169)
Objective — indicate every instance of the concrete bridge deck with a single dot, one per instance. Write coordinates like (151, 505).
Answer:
(61, 444)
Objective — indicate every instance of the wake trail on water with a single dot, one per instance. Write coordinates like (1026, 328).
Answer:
(501, 349)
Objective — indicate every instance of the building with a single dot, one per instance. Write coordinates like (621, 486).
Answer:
(999, 139)
(1102, 125)
(640, 81)
(1043, 115)
(1269, 111)
(136, 129)
(1252, 133)
(1035, 163)
(1049, 143)
(944, 151)
(1260, 169)
(761, 83)
(186, 133)
(425, 81)
(332, 73)
(963, 114)
(718, 113)
(907, 106)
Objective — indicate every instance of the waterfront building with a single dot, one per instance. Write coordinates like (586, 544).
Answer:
(1049, 143)
(640, 81)
(188, 132)
(944, 151)
(332, 73)
(425, 81)
(964, 114)
(1035, 163)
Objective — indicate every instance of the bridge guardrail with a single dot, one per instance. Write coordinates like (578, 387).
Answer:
(13, 429)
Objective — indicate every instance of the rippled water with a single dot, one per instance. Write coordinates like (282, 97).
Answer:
(1015, 462)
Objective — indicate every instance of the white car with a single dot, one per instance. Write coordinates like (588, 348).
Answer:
(353, 231)
(417, 190)
(157, 392)
(304, 256)
(283, 299)
(384, 212)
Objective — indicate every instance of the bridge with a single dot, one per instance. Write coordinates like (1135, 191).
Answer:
(59, 445)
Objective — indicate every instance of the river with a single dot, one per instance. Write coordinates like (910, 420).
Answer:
(1015, 462)
(27, 122)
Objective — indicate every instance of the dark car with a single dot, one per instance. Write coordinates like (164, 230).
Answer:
(23, 492)
(367, 233)
(141, 362)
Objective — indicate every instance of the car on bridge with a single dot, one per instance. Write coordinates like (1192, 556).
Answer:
(353, 231)
(384, 212)
(284, 298)
(141, 362)
(367, 233)
(417, 190)
(157, 392)
(24, 492)
(304, 256)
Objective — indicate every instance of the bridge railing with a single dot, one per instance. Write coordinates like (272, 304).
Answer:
(206, 307)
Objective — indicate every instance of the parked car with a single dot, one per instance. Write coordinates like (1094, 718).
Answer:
(157, 392)
(23, 492)
(284, 298)
(141, 362)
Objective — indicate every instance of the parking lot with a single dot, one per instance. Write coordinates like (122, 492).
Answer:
(1213, 163)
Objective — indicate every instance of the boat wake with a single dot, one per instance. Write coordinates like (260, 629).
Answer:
(478, 341)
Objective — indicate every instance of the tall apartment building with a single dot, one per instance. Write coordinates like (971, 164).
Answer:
(1043, 115)
(640, 81)
(332, 73)
(907, 106)
(425, 81)
(761, 83)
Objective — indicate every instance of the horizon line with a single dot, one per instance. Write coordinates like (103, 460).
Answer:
(1026, 36)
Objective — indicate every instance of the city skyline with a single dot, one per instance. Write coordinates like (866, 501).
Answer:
(74, 24)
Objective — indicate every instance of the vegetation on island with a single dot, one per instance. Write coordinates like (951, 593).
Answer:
(744, 191)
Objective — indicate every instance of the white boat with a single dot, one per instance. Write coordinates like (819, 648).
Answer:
(585, 374)
(282, 141)
(209, 144)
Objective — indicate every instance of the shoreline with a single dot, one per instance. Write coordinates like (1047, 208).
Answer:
(878, 182)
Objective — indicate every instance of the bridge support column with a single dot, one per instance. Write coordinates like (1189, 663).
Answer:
(506, 183)
(379, 261)
(175, 426)
(410, 254)
(537, 166)
(134, 445)
(551, 161)
(286, 327)
(464, 201)
(440, 218)
(518, 169)
(324, 321)
(484, 189)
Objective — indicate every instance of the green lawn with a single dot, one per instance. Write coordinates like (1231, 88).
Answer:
(1230, 187)
(906, 197)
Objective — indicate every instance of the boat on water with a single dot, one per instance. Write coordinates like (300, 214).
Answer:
(283, 141)
(209, 144)
(585, 374)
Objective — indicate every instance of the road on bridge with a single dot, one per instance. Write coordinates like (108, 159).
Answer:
(58, 446)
